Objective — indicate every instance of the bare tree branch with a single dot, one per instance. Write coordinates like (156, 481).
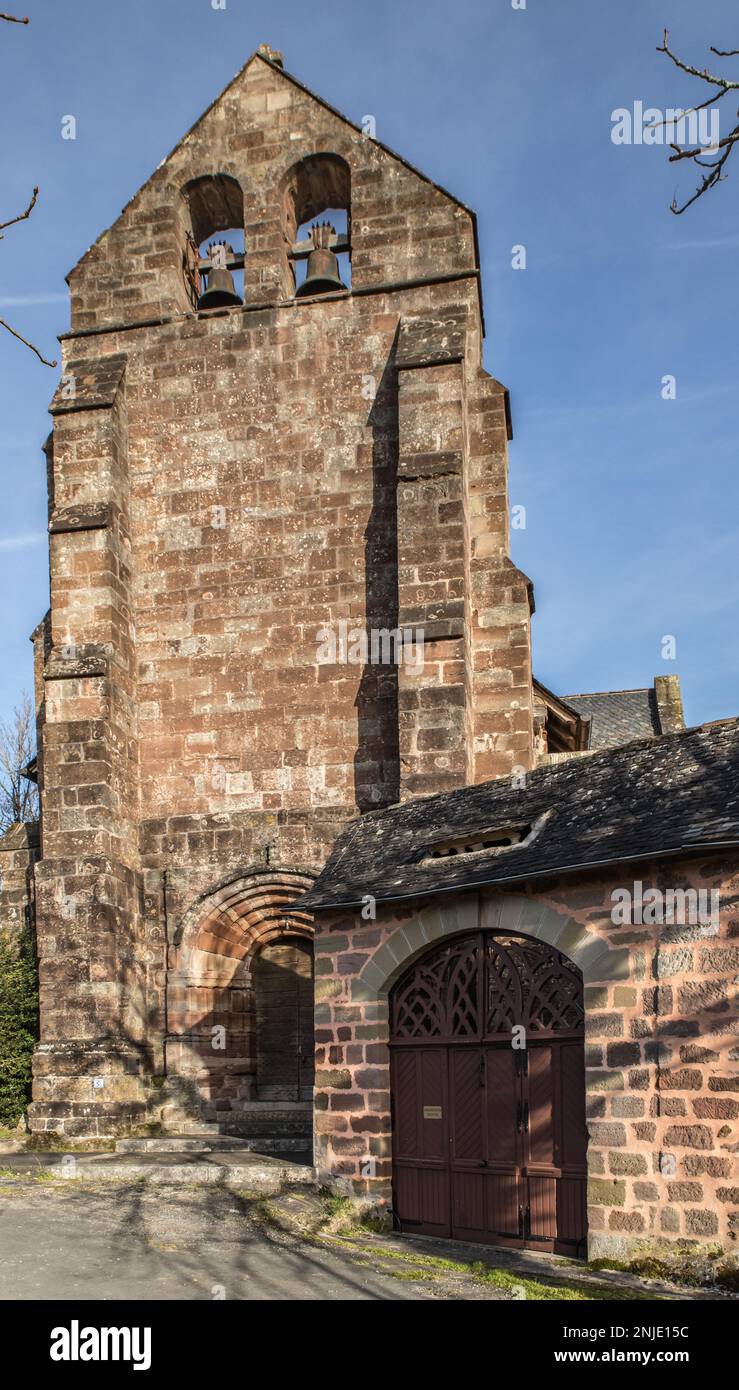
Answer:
(697, 154)
(689, 110)
(18, 796)
(21, 215)
(704, 74)
(699, 150)
(708, 182)
(21, 339)
(13, 19)
(10, 223)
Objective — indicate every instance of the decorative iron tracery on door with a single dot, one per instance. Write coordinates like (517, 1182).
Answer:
(489, 1139)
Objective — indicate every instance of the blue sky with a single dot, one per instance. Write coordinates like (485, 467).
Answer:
(630, 500)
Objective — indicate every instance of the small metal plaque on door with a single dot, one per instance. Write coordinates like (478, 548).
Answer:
(432, 1112)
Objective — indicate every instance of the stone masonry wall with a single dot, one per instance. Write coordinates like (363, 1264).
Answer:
(19, 848)
(662, 1047)
(224, 488)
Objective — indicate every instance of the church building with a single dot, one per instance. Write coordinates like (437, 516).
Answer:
(320, 863)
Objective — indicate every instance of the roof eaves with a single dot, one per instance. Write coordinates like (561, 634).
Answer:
(693, 848)
(605, 694)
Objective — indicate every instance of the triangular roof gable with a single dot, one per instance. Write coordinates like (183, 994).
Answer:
(258, 56)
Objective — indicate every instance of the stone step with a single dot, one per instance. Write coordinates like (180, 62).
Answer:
(217, 1143)
(242, 1125)
(240, 1167)
(297, 1108)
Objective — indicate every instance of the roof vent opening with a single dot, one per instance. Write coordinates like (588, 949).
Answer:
(495, 841)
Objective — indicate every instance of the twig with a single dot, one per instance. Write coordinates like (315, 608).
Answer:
(695, 154)
(689, 111)
(705, 75)
(21, 216)
(708, 182)
(714, 166)
(43, 359)
(14, 19)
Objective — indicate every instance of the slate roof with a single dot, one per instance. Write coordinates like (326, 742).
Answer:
(674, 795)
(617, 716)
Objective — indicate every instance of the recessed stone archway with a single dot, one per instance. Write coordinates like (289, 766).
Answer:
(211, 1016)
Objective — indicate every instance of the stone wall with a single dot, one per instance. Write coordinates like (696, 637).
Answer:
(224, 488)
(662, 1046)
(19, 848)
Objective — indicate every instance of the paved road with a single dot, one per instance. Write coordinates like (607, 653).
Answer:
(123, 1241)
(143, 1240)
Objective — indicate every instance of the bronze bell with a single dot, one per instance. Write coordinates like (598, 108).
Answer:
(323, 267)
(221, 291)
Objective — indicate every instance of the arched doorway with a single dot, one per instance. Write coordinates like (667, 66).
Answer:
(283, 988)
(213, 1043)
(488, 1088)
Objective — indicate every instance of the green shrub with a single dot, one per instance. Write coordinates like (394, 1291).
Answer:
(18, 1022)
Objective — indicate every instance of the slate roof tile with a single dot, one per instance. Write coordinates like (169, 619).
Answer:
(676, 794)
(617, 716)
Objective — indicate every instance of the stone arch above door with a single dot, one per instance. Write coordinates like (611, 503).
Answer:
(211, 1016)
(236, 917)
(504, 913)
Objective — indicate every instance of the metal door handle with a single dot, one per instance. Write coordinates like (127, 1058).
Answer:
(483, 1163)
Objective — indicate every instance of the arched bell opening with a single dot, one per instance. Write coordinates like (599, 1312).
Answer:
(316, 225)
(215, 250)
(488, 1086)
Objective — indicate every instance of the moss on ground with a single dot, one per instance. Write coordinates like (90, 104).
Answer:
(327, 1219)
(56, 1143)
(29, 1175)
(692, 1266)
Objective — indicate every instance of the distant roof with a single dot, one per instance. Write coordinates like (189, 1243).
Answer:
(678, 794)
(20, 835)
(617, 716)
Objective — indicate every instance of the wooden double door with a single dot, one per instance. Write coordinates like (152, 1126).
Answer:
(489, 1137)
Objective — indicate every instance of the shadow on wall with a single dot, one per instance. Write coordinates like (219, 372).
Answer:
(245, 1034)
(255, 1043)
(377, 760)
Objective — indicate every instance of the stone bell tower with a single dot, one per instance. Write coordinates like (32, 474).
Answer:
(261, 444)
